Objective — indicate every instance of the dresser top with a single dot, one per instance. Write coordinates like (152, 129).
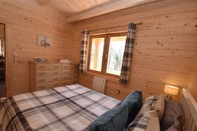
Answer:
(50, 63)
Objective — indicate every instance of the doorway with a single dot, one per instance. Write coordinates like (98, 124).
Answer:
(2, 61)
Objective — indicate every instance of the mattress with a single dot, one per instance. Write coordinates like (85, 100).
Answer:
(65, 108)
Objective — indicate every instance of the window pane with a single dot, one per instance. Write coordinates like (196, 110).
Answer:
(96, 54)
(115, 55)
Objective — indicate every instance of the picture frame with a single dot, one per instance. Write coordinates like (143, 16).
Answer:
(44, 41)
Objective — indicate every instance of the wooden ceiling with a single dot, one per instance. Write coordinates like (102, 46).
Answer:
(75, 10)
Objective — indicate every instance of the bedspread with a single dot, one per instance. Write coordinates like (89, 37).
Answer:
(65, 108)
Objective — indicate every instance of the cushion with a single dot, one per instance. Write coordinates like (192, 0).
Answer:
(148, 121)
(176, 126)
(134, 102)
(112, 120)
(155, 102)
(172, 117)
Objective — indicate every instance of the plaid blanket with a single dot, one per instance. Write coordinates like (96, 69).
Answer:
(66, 108)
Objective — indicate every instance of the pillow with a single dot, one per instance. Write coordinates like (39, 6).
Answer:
(176, 126)
(173, 116)
(112, 120)
(134, 102)
(148, 121)
(155, 102)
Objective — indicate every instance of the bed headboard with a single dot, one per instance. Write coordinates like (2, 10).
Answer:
(190, 110)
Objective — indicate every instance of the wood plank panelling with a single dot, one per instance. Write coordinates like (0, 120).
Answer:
(165, 45)
(24, 21)
(192, 83)
(2, 31)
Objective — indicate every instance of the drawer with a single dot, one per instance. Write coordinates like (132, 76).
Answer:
(68, 82)
(69, 77)
(70, 66)
(48, 72)
(66, 72)
(48, 79)
(48, 66)
(47, 85)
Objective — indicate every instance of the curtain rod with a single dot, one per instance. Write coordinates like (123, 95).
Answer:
(114, 27)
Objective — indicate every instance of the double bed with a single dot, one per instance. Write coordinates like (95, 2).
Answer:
(69, 108)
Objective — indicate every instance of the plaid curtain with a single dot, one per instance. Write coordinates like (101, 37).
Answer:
(84, 42)
(125, 70)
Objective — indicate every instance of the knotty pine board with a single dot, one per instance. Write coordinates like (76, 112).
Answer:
(165, 45)
(25, 20)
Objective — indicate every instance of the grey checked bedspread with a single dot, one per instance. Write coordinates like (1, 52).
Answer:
(66, 108)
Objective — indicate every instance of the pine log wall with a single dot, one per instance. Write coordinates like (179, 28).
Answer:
(165, 46)
(24, 20)
(192, 84)
(1, 31)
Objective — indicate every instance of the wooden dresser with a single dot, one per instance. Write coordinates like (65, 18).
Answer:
(49, 75)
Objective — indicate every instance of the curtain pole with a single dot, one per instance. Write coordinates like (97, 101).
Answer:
(140, 23)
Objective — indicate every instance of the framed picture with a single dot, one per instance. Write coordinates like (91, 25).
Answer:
(44, 41)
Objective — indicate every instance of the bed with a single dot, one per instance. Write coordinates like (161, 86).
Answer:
(71, 108)
(76, 108)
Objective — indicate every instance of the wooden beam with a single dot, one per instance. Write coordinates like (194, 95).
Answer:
(43, 2)
(107, 8)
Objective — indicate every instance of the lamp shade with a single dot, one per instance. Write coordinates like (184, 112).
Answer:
(173, 90)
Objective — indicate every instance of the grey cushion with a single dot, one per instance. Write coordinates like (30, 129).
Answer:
(173, 116)
(113, 120)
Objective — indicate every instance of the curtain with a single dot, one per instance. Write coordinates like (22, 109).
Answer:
(84, 42)
(129, 45)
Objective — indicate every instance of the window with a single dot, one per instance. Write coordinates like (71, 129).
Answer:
(106, 54)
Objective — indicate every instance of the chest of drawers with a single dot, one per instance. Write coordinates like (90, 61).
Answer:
(49, 75)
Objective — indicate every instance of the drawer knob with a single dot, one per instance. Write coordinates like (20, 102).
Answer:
(41, 73)
(42, 66)
(56, 73)
(56, 79)
(42, 80)
(55, 84)
(56, 66)
(41, 87)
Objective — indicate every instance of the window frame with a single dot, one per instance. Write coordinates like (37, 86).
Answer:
(106, 37)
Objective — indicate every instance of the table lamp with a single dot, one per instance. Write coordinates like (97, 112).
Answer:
(171, 90)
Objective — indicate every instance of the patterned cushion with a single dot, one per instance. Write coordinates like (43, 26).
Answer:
(134, 102)
(148, 121)
(155, 102)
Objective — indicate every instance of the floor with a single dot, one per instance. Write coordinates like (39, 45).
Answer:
(2, 89)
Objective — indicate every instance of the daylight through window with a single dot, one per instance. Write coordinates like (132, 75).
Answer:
(106, 54)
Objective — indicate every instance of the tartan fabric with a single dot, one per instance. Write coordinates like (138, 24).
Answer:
(84, 42)
(139, 124)
(66, 108)
(125, 70)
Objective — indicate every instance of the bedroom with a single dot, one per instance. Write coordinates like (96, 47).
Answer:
(164, 53)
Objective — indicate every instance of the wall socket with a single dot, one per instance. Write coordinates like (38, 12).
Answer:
(15, 54)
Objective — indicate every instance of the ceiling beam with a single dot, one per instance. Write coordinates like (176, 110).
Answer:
(43, 2)
(106, 8)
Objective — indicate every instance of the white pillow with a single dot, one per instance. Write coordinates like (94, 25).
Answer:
(155, 102)
(148, 121)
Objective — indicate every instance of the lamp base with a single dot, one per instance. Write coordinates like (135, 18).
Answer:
(168, 97)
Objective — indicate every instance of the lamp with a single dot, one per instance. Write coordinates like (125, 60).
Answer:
(171, 90)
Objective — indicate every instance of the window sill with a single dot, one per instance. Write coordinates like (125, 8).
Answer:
(107, 77)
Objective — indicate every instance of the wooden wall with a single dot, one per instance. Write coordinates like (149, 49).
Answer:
(192, 84)
(24, 20)
(165, 45)
(1, 31)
